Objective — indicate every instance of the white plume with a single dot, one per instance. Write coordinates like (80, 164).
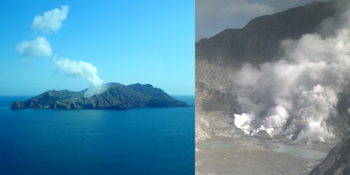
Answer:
(297, 94)
(81, 69)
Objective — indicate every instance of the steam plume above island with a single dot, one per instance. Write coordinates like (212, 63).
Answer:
(81, 69)
(40, 47)
(296, 95)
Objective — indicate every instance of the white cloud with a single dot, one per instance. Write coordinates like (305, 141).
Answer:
(35, 48)
(81, 69)
(51, 20)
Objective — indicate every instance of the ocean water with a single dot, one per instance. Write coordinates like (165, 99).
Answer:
(137, 141)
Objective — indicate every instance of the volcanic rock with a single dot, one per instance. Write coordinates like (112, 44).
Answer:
(338, 160)
(117, 96)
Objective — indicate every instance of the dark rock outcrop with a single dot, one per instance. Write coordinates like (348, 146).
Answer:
(17, 105)
(338, 160)
(117, 96)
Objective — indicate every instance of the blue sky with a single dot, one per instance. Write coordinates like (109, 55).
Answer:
(127, 41)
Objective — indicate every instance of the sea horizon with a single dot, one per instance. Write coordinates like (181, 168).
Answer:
(88, 141)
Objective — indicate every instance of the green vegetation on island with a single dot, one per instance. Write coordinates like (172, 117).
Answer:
(117, 96)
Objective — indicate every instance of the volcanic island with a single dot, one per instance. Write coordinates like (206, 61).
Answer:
(117, 96)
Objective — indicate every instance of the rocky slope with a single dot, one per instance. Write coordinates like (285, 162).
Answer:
(259, 40)
(338, 160)
(118, 96)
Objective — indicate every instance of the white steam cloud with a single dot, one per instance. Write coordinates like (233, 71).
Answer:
(35, 48)
(81, 69)
(51, 20)
(296, 95)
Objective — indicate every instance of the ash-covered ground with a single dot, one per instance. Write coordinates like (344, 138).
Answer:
(221, 148)
(245, 155)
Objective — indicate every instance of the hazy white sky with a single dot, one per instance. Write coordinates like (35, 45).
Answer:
(213, 17)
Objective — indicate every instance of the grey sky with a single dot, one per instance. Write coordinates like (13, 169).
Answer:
(214, 16)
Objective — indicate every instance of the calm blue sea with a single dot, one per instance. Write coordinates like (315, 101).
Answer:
(137, 141)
